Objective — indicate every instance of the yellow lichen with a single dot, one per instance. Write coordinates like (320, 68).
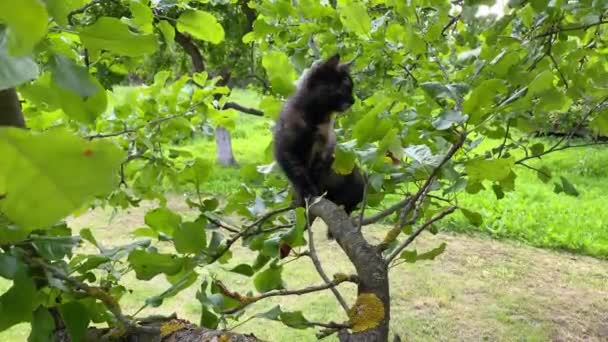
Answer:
(367, 312)
(170, 327)
(340, 277)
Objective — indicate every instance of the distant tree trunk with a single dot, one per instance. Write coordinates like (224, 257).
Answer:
(224, 147)
(222, 136)
(10, 109)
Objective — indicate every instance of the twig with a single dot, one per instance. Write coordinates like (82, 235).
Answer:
(573, 28)
(221, 224)
(363, 203)
(93, 292)
(246, 232)
(504, 142)
(534, 169)
(559, 70)
(408, 202)
(243, 109)
(81, 10)
(567, 137)
(452, 21)
(315, 260)
(248, 300)
(135, 129)
(412, 237)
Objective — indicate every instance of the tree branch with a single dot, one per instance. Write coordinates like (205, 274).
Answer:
(414, 235)
(248, 300)
(572, 28)
(408, 202)
(368, 262)
(81, 10)
(243, 109)
(312, 252)
(198, 63)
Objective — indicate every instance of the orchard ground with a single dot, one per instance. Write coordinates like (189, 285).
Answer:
(480, 288)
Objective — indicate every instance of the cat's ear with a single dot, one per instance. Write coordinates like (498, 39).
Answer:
(333, 61)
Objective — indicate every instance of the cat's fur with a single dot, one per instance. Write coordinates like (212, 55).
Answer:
(305, 140)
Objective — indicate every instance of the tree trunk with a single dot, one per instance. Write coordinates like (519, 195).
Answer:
(224, 147)
(10, 109)
(372, 270)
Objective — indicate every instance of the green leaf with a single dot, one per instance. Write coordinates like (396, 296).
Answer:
(168, 32)
(482, 97)
(27, 22)
(344, 159)
(473, 217)
(76, 318)
(113, 35)
(148, 264)
(271, 107)
(163, 220)
(493, 170)
(9, 265)
(35, 179)
(243, 269)
(568, 188)
(280, 72)
(43, 326)
(201, 25)
(544, 174)
(353, 15)
(190, 237)
(294, 320)
(18, 303)
(413, 256)
(15, 70)
(55, 248)
(447, 118)
(498, 191)
(537, 149)
(59, 9)
(541, 83)
(142, 15)
(599, 124)
(295, 236)
(433, 253)
(209, 319)
(269, 279)
(184, 282)
(70, 76)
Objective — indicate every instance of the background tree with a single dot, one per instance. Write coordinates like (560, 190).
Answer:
(109, 88)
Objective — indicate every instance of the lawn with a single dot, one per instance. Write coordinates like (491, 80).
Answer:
(533, 214)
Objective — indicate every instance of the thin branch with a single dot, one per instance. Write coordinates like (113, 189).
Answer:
(534, 169)
(504, 142)
(567, 137)
(246, 232)
(414, 235)
(452, 21)
(93, 292)
(81, 10)
(363, 203)
(407, 202)
(559, 70)
(248, 300)
(315, 260)
(243, 109)
(572, 28)
(135, 129)
(221, 224)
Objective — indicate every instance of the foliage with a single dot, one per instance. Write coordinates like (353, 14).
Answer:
(433, 81)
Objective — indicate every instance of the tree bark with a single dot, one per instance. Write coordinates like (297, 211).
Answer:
(368, 261)
(222, 135)
(224, 147)
(10, 109)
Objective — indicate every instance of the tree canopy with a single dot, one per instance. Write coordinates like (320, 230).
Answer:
(109, 88)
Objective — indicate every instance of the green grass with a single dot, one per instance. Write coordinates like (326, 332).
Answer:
(533, 214)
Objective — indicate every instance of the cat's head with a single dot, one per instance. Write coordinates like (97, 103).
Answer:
(330, 83)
